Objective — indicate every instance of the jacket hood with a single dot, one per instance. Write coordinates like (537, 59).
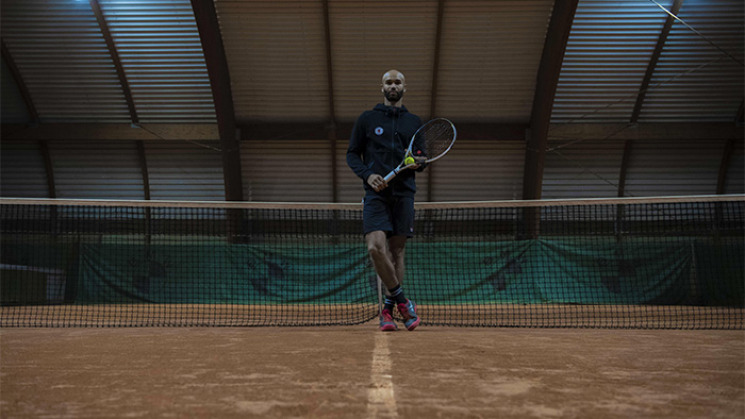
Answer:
(390, 110)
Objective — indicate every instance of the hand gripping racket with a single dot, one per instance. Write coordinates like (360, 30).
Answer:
(432, 140)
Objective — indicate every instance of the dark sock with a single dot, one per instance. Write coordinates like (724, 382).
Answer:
(389, 304)
(397, 294)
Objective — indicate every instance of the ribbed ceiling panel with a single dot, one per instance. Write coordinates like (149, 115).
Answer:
(96, 170)
(585, 169)
(667, 168)
(477, 171)
(694, 81)
(22, 171)
(490, 55)
(58, 48)
(185, 170)
(350, 187)
(161, 52)
(607, 55)
(12, 105)
(307, 181)
(370, 37)
(735, 182)
(276, 54)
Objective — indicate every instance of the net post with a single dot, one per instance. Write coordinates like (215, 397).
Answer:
(532, 219)
(619, 223)
(148, 226)
(235, 231)
(719, 217)
(380, 293)
(693, 297)
(333, 226)
(73, 274)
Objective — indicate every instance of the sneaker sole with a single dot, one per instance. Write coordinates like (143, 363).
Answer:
(388, 328)
(413, 325)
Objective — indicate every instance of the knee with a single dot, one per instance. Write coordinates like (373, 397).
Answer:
(398, 257)
(398, 251)
(376, 250)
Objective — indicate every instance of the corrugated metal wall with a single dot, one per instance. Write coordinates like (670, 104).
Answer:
(489, 59)
(22, 172)
(300, 171)
(682, 91)
(277, 59)
(371, 37)
(607, 55)
(64, 60)
(12, 105)
(479, 171)
(161, 53)
(181, 170)
(178, 170)
(350, 186)
(89, 170)
(735, 183)
(586, 169)
(286, 171)
(277, 50)
(661, 168)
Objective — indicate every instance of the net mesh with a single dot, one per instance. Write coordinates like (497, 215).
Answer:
(658, 263)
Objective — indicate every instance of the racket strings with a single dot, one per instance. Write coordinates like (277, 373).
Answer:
(436, 138)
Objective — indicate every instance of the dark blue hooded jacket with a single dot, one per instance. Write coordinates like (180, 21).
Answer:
(378, 143)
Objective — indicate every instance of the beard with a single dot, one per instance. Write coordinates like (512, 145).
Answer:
(393, 96)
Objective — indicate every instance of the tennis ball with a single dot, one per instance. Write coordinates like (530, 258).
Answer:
(409, 160)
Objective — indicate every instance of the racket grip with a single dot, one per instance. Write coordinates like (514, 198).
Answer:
(390, 175)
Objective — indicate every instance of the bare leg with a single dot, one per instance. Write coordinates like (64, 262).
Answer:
(388, 257)
(377, 248)
(397, 246)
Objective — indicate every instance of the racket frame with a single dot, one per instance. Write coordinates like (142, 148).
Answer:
(403, 166)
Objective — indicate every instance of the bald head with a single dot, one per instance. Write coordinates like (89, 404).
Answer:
(394, 87)
(393, 75)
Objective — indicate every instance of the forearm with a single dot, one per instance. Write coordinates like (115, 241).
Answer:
(358, 166)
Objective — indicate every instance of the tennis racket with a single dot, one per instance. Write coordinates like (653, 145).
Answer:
(432, 141)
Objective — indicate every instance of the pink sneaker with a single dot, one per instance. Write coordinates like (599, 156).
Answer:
(408, 312)
(386, 321)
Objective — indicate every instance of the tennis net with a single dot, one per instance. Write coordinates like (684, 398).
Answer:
(673, 262)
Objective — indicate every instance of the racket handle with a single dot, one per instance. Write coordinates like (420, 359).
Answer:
(391, 175)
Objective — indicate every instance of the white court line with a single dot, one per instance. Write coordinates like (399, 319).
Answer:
(381, 401)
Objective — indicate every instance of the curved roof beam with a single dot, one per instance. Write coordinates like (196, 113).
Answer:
(217, 67)
(436, 60)
(96, 7)
(34, 115)
(543, 100)
(331, 131)
(20, 83)
(654, 59)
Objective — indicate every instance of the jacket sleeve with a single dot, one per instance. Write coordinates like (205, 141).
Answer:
(357, 144)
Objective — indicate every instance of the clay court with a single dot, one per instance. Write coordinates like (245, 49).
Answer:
(346, 372)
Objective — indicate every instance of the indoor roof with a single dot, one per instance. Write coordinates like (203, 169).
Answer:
(313, 61)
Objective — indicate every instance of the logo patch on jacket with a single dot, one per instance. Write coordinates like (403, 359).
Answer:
(379, 131)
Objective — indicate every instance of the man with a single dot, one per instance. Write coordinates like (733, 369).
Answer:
(377, 145)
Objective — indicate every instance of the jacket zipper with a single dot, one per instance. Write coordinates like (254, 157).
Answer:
(393, 142)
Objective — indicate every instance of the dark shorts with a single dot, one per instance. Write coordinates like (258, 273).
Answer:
(393, 215)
